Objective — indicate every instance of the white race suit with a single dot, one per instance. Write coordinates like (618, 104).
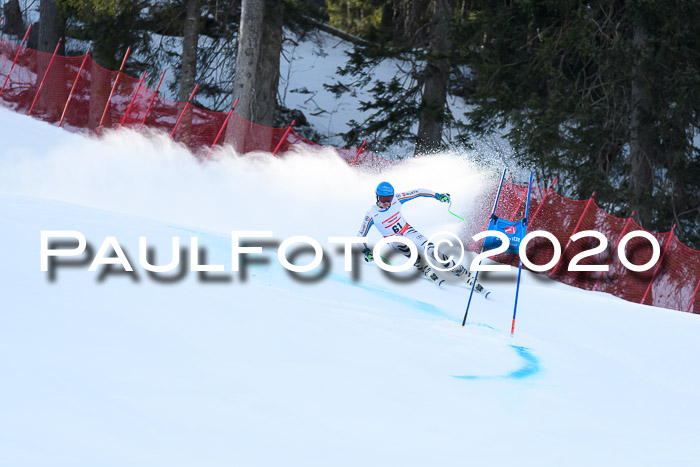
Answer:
(390, 222)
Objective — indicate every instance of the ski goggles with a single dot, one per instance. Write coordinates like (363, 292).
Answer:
(385, 199)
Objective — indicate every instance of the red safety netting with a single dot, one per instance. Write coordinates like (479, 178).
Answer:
(103, 99)
(671, 283)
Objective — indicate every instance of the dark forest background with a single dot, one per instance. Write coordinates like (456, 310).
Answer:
(603, 94)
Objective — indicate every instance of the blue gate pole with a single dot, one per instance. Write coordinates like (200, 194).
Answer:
(476, 276)
(520, 266)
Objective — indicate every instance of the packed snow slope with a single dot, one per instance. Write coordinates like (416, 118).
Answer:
(112, 368)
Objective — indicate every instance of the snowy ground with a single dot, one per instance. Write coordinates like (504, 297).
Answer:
(108, 368)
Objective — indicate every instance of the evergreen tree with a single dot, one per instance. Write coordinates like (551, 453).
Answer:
(603, 93)
(12, 19)
(436, 77)
(359, 17)
(208, 62)
(111, 26)
(416, 33)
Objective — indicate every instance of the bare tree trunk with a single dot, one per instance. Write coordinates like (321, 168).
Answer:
(99, 89)
(249, 46)
(257, 64)
(413, 11)
(257, 72)
(432, 113)
(641, 154)
(13, 24)
(50, 26)
(49, 32)
(269, 65)
(188, 69)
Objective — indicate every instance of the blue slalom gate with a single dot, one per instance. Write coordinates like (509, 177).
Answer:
(515, 231)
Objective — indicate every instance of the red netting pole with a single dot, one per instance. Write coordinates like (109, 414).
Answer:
(41, 85)
(359, 151)
(150, 104)
(692, 299)
(75, 83)
(114, 86)
(133, 99)
(658, 267)
(218, 135)
(551, 187)
(279, 145)
(182, 114)
(622, 234)
(15, 60)
(578, 224)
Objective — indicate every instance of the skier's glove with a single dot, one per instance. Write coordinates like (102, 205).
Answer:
(369, 257)
(443, 197)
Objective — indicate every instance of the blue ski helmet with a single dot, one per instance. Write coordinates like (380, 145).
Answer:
(385, 189)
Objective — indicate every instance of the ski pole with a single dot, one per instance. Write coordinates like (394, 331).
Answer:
(520, 263)
(476, 276)
(449, 209)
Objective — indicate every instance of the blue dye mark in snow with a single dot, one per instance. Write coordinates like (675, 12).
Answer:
(417, 304)
(530, 368)
(471, 377)
(482, 325)
(413, 303)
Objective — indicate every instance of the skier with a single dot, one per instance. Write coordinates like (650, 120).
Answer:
(386, 216)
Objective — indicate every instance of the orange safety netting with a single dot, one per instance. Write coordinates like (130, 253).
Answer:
(104, 99)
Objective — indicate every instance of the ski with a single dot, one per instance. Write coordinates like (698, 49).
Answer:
(479, 288)
(430, 274)
(467, 278)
